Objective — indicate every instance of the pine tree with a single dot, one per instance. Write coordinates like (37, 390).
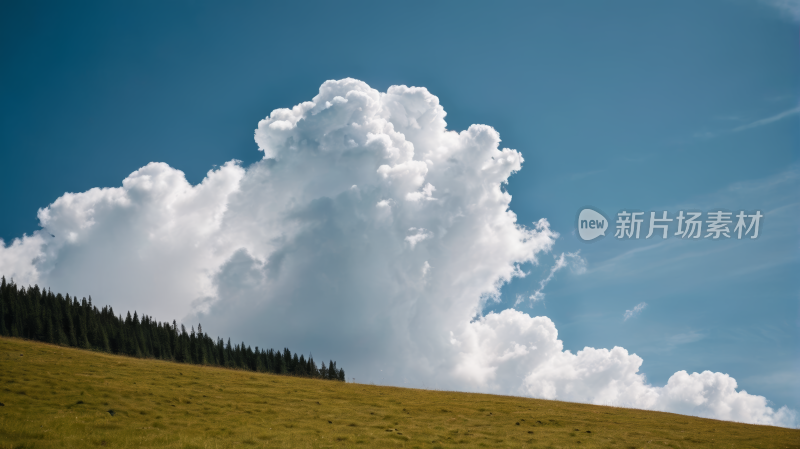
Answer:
(323, 371)
(83, 338)
(193, 344)
(70, 324)
(301, 366)
(287, 358)
(312, 368)
(295, 365)
(260, 366)
(229, 355)
(50, 334)
(41, 315)
(3, 329)
(104, 343)
(284, 369)
(250, 359)
(13, 310)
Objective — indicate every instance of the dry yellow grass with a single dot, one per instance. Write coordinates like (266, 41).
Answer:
(60, 397)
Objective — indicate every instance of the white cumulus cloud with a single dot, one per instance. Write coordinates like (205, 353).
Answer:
(370, 234)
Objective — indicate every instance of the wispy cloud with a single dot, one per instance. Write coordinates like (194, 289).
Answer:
(610, 264)
(684, 338)
(630, 313)
(790, 8)
(782, 180)
(768, 120)
(755, 124)
(669, 343)
(574, 260)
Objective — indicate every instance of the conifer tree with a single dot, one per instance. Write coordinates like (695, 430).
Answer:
(3, 288)
(70, 324)
(50, 333)
(312, 368)
(3, 330)
(83, 338)
(260, 365)
(287, 358)
(41, 315)
(323, 371)
(229, 354)
(284, 369)
(104, 343)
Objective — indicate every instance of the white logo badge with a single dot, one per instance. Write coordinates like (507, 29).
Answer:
(591, 224)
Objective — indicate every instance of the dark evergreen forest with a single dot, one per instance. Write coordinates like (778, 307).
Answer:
(37, 314)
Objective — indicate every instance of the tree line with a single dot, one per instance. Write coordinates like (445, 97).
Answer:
(36, 314)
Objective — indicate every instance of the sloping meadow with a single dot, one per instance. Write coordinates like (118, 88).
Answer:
(62, 397)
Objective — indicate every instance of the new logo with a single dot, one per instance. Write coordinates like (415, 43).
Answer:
(591, 224)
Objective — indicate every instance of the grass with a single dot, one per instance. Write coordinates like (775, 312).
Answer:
(60, 397)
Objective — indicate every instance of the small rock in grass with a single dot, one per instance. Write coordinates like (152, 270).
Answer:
(112, 412)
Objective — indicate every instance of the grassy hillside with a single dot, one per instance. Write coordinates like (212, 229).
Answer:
(60, 397)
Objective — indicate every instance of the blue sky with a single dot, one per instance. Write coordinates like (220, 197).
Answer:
(618, 105)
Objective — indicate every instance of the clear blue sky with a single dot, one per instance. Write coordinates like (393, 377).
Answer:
(615, 104)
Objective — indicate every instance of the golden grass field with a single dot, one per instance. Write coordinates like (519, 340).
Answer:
(59, 397)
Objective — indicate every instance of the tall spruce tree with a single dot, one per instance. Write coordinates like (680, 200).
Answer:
(3, 329)
(42, 315)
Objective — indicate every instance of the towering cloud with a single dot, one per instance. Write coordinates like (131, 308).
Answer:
(368, 233)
